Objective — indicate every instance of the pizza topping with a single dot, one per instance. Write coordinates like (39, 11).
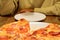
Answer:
(30, 38)
(33, 38)
(3, 38)
(9, 30)
(41, 32)
(13, 25)
(54, 33)
(41, 39)
(22, 29)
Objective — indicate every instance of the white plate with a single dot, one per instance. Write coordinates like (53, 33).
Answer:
(32, 16)
(37, 25)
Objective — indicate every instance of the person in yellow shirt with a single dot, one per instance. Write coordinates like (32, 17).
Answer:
(48, 7)
(8, 7)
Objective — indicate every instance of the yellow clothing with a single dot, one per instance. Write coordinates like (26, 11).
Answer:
(48, 7)
(7, 6)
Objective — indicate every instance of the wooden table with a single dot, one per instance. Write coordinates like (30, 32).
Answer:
(49, 19)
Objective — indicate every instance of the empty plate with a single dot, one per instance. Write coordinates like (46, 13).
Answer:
(32, 16)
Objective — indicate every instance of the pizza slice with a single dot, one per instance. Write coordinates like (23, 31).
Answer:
(21, 26)
(16, 30)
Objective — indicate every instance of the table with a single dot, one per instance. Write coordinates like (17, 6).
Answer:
(49, 19)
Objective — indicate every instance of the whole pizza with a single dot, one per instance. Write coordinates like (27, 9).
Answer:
(20, 30)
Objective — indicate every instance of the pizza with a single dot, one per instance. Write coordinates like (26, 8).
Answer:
(16, 29)
(20, 30)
